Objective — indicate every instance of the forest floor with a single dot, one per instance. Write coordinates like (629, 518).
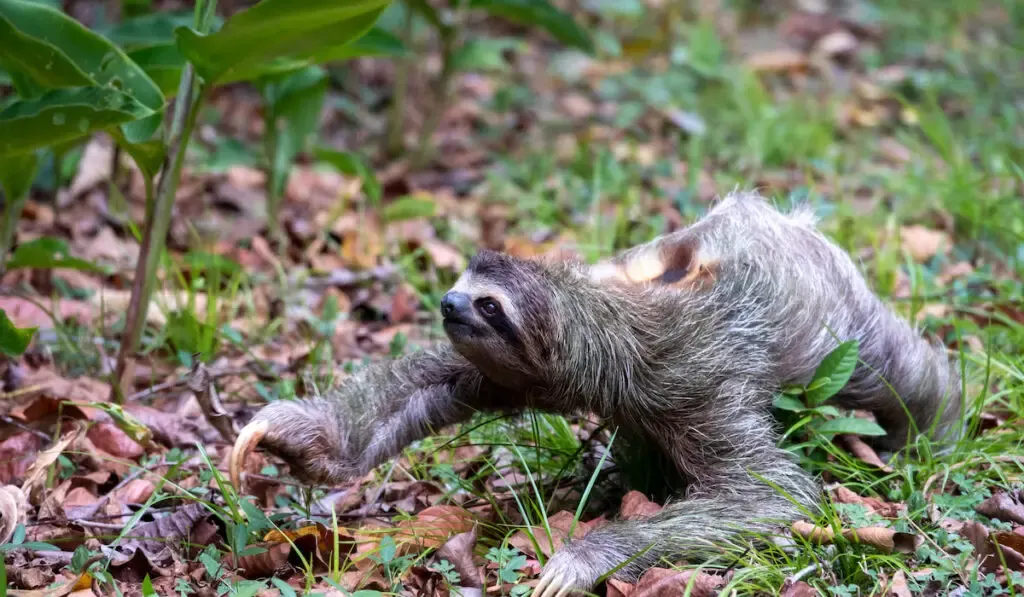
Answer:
(901, 123)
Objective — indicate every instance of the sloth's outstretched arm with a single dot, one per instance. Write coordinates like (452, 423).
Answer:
(723, 455)
(371, 416)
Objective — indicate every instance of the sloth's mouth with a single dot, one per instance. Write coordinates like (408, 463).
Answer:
(457, 326)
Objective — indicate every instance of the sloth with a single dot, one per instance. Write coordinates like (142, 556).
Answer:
(682, 341)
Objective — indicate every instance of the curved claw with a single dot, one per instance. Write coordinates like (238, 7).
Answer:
(248, 438)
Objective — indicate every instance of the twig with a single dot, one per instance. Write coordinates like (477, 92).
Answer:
(201, 383)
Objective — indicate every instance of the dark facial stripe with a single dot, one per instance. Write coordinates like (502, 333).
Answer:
(504, 328)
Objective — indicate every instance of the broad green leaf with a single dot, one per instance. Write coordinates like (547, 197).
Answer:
(49, 253)
(17, 173)
(783, 402)
(64, 114)
(540, 13)
(349, 163)
(294, 104)
(163, 63)
(13, 340)
(408, 208)
(429, 13)
(149, 30)
(276, 29)
(61, 50)
(850, 425)
(837, 367)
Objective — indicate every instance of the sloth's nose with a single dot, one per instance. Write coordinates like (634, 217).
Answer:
(454, 304)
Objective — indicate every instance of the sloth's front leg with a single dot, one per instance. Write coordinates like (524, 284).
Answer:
(727, 502)
(370, 417)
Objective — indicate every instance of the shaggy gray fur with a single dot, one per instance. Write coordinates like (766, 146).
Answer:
(749, 299)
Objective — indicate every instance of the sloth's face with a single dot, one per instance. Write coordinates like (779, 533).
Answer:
(495, 316)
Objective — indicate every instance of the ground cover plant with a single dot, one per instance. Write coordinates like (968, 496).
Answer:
(209, 206)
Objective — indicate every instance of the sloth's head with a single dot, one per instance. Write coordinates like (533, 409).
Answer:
(500, 316)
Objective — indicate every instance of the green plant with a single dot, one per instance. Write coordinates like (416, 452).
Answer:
(821, 422)
(461, 51)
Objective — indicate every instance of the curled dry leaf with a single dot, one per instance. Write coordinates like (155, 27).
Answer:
(863, 451)
(36, 475)
(13, 510)
(843, 495)
(882, 538)
(17, 454)
(155, 539)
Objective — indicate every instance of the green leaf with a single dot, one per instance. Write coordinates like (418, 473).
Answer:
(783, 402)
(49, 253)
(149, 30)
(485, 54)
(148, 156)
(429, 13)
(294, 103)
(276, 29)
(837, 367)
(851, 426)
(63, 115)
(350, 163)
(53, 50)
(17, 173)
(540, 13)
(13, 340)
(408, 208)
(163, 63)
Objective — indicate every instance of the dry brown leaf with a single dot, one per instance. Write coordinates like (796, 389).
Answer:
(797, 589)
(863, 451)
(843, 495)
(13, 510)
(273, 560)
(664, 582)
(36, 475)
(1012, 547)
(636, 505)
(1003, 506)
(432, 527)
(94, 166)
(577, 105)
(923, 243)
(559, 523)
(777, 61)
(837, 42)
(620, 588)
(70, 585)
(26, 313)
(882, 538)
(459, 552)
(136, 491)
(17, 454)
(112, 440)
(899, 587)
(894, 151)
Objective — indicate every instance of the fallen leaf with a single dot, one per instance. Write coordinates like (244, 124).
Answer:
(894, 151)
(837, 42)
(882, 538)
(36, 475)
(17, 454)
(432, 527)
(859, 448)
(620, 588)
(923, 243)
(1011, 545)
(843, 495)
(25, 313)
(459, 552)
(112, 440)
(777, 61)
(797, 589)
(94, 166)
(636, 505)
(13, 510)
(136, 491)
(899, 587)
(1003, 506)
(664, 582)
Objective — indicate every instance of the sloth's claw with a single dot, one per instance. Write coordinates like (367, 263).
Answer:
(557, 580)
(248, 438)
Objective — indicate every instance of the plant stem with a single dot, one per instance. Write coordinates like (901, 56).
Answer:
(10, 224)
(394, 141)
(158, 220)
(424, 151)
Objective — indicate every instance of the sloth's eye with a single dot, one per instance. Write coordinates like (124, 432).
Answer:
(489, 308)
